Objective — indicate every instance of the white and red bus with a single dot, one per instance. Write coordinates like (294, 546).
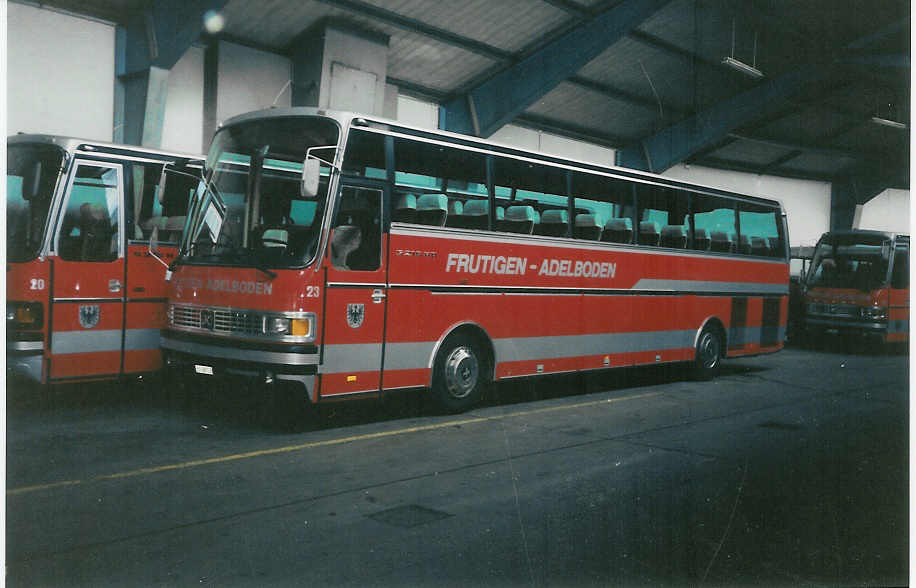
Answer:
(84, 298)
(859, 284)
(351, 256)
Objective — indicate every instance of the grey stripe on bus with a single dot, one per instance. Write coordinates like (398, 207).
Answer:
(88, 341)
(136, 339)
(707, 287)
(204, 351)
(360, 357)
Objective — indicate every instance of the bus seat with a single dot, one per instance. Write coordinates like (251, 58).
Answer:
(96, 233)
(673, 236)
(346, 240)
(475, 215)
(455, 213)
(500, 213)
(759, 246)
(405, 209)
(519, 219)
(744, 245)
(648, 233)
(701, 240)
(554, 223)
(432, 209)
(274, 237)
(721, 242)
(588, 227)
(773, 245)
(618, 230)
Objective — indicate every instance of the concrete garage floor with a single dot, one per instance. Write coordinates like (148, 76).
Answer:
(788, 469)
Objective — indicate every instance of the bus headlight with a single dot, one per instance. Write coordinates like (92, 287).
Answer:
(278, 325)
(873, 312)
(298, 325)
(24, 315)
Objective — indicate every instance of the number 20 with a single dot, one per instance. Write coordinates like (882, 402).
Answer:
(36, 284)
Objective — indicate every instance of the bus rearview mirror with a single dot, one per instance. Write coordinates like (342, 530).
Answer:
(311, 174)
(153, 249)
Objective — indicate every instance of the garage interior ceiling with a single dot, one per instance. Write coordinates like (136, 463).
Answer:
(832, 102)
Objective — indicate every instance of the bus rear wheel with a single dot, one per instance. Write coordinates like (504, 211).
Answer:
(459, 374)
(709, 354)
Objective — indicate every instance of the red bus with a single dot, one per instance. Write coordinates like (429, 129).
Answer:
(350, 256)
(859, 283)
(84, 298)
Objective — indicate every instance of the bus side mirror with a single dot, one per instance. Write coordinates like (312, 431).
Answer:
(153, 248)
(311, 174)
(31, 181)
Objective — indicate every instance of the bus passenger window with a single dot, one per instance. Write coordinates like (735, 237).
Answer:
(356, 241)
(713, 223)
(365, 155)
(660, 207)
(761, 230)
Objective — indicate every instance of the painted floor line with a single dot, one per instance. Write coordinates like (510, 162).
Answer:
(303, 446)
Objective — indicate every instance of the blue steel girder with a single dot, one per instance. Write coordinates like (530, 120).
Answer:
(679, 141)
(159, 36)
(485, 108)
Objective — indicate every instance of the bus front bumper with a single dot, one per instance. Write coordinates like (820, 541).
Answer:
(846, 325)
(189, 354)
(25, 359)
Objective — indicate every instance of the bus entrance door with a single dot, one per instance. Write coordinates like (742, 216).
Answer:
(355, 295)
(87, 316)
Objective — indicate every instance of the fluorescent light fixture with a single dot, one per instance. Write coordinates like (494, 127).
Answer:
(887, 122)
(742, 67)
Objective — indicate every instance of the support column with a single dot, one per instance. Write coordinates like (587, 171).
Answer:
(340, 67)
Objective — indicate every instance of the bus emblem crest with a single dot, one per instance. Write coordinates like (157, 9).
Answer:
(355, 314)
(89, 315)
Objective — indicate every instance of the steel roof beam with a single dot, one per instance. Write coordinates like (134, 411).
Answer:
(413, 25)
(496, 101)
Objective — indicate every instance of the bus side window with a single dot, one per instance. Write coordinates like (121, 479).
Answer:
(713, 223)
(536, 185)
(900, 279)
(423, 171)
(761, 231)
(357, 239)
(663, 219)
(147, 208)
(90, 229)
(609, 201)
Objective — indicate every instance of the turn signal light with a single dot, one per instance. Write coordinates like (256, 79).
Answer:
(24, 315)
(301, 327)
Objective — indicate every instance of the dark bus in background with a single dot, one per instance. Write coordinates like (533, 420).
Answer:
(84, 299)
(859, 283)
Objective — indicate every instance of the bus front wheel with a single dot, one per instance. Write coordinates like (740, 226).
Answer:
(459, 374)
(709, 354)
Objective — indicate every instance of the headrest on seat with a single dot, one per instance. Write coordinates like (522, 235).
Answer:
(455, 207)
(476, 208)
(619, 224)
(522, 213)
(406, 202)
(432, 202)
(587, 220)
(555, 216)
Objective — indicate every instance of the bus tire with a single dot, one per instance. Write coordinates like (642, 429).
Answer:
(709, 353)
(459, 374)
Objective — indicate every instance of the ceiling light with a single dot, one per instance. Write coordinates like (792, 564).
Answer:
(888, 123)
(742, 67)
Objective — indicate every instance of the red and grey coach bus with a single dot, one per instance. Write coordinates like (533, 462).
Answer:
(84, 298)
(859, 283)
(349, 256)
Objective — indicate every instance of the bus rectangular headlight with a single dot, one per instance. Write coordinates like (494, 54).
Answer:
(278, 325)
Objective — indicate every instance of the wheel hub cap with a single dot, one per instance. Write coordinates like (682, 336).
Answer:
(461, 371)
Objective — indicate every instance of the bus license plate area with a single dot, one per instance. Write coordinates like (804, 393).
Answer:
(203, 369)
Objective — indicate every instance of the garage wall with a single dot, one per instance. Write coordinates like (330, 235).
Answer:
(60, 74)
(888, 211)
(250, 79)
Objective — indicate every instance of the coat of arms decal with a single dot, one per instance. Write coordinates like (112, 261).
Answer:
(355, 314)
(89, 315)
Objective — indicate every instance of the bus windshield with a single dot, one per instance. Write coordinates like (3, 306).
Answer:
(850, 261)
(31, 174)
(250, 210)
